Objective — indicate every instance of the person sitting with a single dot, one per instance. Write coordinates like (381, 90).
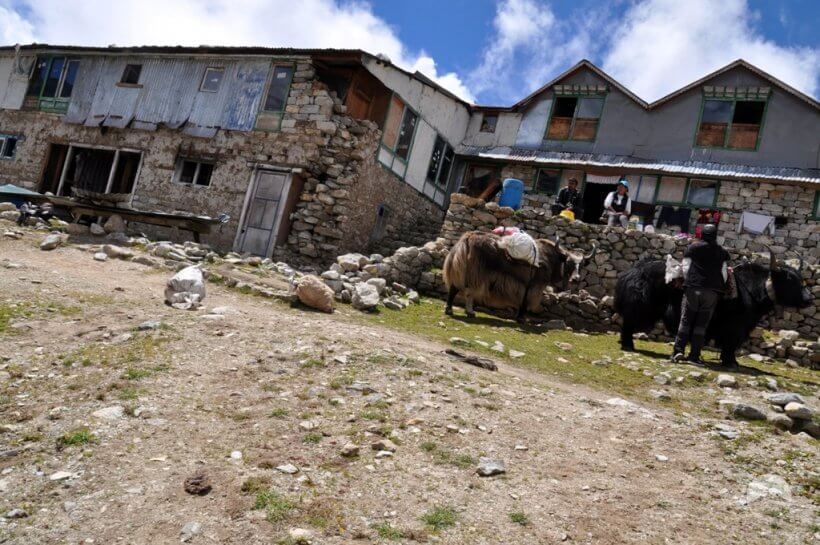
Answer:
(567, 199)
(618, 205)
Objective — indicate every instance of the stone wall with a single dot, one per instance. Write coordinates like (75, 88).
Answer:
(343, 184)
(800, 232)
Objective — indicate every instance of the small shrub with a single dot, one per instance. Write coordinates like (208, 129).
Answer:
(276, 506)
(79, 436)
(279, 412)
(519, 517)
(256, 485)
(428, 446)
(387, 531)
(135, 373)
(312, 438)
(440, 518)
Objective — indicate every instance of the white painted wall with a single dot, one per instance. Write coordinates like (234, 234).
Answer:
(13, 86)
(505, 130)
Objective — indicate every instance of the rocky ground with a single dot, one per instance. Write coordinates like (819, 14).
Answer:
(123, 420)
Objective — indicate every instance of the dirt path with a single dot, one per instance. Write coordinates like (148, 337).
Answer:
(280, 386)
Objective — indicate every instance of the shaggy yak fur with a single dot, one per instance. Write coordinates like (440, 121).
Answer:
(485, 273)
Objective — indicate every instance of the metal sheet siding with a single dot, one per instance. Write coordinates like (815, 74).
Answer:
(246, 95)
(110, 73)
(689, 168)
(85, 88)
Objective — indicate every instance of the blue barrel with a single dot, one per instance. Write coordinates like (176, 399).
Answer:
(512, 191)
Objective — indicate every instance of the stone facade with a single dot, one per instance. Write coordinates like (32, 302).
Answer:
(335, 153)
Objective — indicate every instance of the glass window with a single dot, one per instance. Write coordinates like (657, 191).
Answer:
(278, 90)
(436, 158)
(714, 123)
(188, 172)
(646, 189)
(68, 80)
(672, 189)
(204, 176)
(53, 79)
(212, 79)
(586, 120)
(488, 123)
(131, 74)
(408, 128)
(38, 77)
(446, 164)
(702, 192)
(192, 172)
(547, 181)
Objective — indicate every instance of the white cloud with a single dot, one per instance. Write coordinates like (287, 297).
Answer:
(662, 45)
(276, 23)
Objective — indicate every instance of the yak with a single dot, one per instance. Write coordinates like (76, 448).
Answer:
(479, 266)
(759, 289)
(650, 291)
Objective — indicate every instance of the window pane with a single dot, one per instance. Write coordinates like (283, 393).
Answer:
(131, 74)
(671, 189)
(714, 122)
(53, 79)
(590, 108)
(547, 181)
(488, 123)
(212, 79)
(10, 147)
(586, 123)
(444, 175)
(435, 159)
(391, 125)
(70, 76)
(278, 90)
(408, 128)
(38, 77)
(646, 189)
(205, 171)
(702, 192)
(186, 176)
(561, 120)
(746, 123)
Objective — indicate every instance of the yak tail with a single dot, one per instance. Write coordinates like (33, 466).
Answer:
(455, 264)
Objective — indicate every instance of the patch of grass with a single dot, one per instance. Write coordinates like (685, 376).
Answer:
(519, 517)
(385, 530)
(312, 438)
(128, 394)
(13, 310)
(440, 518)
(76, 437)
(256, 485)
(447, 457)
(136, 373)
(279, 412)
(428, 446)
(313, 362)
(277, 507)
(373, 415)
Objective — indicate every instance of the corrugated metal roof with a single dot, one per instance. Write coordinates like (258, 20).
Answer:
(688, 168)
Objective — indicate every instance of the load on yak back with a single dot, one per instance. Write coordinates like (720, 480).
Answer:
(676, 291)
(508, 270)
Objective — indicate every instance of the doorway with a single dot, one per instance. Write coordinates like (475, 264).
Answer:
(263, 212)
(593, 198)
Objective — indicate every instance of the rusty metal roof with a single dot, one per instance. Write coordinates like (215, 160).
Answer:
(627, 163)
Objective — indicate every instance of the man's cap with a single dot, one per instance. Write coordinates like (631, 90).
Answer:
(709, 232)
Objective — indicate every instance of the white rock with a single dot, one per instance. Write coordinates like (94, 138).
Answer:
(100, 256)
(236, 455)
(300, 536)
(365, 296)
(798, 411)
(114, 224)
(60, 476)
(288, 469)
(109, 413)
(97, 229)
(51, 242)
(726, 381)
(768, 485)
(189, 531)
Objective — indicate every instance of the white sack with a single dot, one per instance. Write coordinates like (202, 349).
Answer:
(186, 289)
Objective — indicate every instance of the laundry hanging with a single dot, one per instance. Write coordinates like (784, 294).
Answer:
(756, 224)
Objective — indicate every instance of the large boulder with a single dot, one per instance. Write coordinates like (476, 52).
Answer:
(77, 229)
(9, 215)
(365, 296)
(7, 206)
(352, 262)
(114, 224)
(313, 292)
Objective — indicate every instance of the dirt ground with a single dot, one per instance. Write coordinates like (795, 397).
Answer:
(248, 384)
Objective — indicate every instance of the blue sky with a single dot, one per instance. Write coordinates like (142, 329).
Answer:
(490, 51)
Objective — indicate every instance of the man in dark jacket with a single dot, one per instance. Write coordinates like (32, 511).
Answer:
(706, 270)
(567, 199)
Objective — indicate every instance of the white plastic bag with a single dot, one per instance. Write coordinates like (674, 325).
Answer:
(521, 246)
(186, 289)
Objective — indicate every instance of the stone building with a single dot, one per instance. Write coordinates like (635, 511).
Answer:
(309, 152)
(314, 152)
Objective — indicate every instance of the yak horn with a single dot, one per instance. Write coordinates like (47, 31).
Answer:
(772, 259)
(592, 253)
(558, 242)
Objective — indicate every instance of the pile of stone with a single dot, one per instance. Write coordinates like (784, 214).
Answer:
(791, 413)
(363, 280)
(786, 344)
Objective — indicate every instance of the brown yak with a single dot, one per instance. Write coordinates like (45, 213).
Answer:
(483, 270)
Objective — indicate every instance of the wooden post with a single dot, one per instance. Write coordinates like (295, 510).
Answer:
(68, 156)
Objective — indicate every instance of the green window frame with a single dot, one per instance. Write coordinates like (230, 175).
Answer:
(815, 213)
(727, 138)
(270, 119)
(390, 154)
(687, 194)
(52, 82)
(575, 117)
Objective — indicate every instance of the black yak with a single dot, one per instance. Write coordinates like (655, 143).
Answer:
(478, 266)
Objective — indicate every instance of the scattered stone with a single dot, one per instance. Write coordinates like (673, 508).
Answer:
(314, 293)
(662, 379)
(109, 413)
(768, 485)
(726, 431)
(516, 353)
(487, 467)
(770, 383)
(393, 304)
(484, 363)
(660, 395)
(189, 531)
(288, 469)
(726, 381)
(114, 224)
(198, 484)
(413, 297)
(60, 476)
(300, 536)
(661, 458)
(149, 325)
(384, 444)
(747, 412)
(784, 398)
(17, 514)
(798, 411)
(117, 252)
(350, 450)
(51, 242)
(563, 346)
(780, 421)
(384, 454)
(556, 324)
(458, 341)
(308, 425)
(100, 256)
(379, 283)
(236, 455)
(365, 296)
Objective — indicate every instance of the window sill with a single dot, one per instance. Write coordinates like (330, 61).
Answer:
(129, 85)
(724, 148)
